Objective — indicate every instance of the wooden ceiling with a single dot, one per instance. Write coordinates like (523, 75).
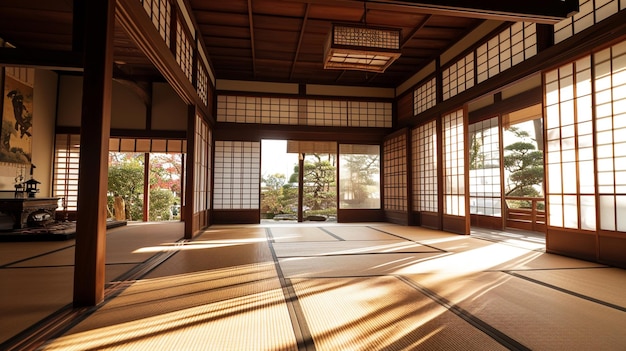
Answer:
(263, 40)
(274, 40)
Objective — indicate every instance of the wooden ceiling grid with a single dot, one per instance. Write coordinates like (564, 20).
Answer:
(272, 40)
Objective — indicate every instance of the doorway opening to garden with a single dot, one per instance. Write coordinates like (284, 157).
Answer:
(507, 171)
(298, 181)
(145, 186)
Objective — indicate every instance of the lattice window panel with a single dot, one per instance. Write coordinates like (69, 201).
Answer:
(425, 96)
(569, 146)
(510, 47)
(485, 170)
(395, 173)
(202, 166)
(184, 50)
(369, 114)
(454, 163)
(326, 113)
(425, 181)
(312, 112)
(237, 174)
(160, 12)
(610, 98)
(65, 176)
(202, 83)
(135, 145)
(590, 13)
(458, 77)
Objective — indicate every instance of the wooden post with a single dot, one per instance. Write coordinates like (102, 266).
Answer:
(146, 187)
(301, 157)
(189, 210)
(94, 137)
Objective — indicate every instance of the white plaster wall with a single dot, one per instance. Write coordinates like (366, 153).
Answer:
(169, 112)
(128, 111)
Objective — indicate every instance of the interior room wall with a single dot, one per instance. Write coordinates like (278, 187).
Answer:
(128, 111)
(44, 107)
(169, 112)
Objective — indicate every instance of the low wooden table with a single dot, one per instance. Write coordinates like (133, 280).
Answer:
(29, 211)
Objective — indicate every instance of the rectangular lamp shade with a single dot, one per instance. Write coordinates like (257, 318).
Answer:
(362, 48)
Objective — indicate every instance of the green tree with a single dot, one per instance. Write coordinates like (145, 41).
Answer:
(161, 201)
(363, 169)
(320, 193)
(477, 158)
(273, 194)
(525, 165)
(126, 180)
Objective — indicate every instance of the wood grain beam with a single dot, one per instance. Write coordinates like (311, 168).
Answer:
(251, 26)
(89, 266)
(542, 11)
(44, 59)
(295, 57)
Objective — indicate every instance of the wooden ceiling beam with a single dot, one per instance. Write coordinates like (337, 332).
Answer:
(297, 53)
(540, 11)
(45, 59)
(252, 37)
(415, 30)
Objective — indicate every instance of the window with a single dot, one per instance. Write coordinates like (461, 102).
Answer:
(484, 173)
(160, 12)
(312, 112)
(610, 97)
(184, 50)
(590, 12)
(458, 77)
(237, 175)
(359, 176)
(569, 146)
(394, 161)
(425, 167)
(454, 159)
(512, 46)
(65, 177)
(425, 96)
(202, 166)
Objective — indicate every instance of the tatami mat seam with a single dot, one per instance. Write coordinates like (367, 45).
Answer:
(478, 323)
(360, 254)
(567, 291)
(331, 233)
(304, 338)
(7, 265)
(407, 239)
(503, 242)
(59, 322)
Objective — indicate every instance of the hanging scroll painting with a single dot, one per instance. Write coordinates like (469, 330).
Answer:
(17, 116)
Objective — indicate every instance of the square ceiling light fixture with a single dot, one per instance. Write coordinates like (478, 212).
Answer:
(361, 47)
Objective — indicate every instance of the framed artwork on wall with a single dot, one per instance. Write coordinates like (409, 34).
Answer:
(17, 116)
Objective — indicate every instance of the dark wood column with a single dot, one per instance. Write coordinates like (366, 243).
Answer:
(188, 213)
(301, 157)
(146, 187)
(94, 137)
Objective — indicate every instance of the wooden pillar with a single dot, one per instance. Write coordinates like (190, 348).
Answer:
(189, 208)
(94, 137)
(146, 187)
(301, 157)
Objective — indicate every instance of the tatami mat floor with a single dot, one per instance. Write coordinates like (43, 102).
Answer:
(370, 286)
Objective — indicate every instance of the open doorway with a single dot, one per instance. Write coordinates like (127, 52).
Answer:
(507, 175)
(298, 181)
(144, 186)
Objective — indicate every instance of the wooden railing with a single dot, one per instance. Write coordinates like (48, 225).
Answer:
(530, 217)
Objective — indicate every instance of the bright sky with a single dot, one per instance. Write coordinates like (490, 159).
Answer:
(275, 159)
